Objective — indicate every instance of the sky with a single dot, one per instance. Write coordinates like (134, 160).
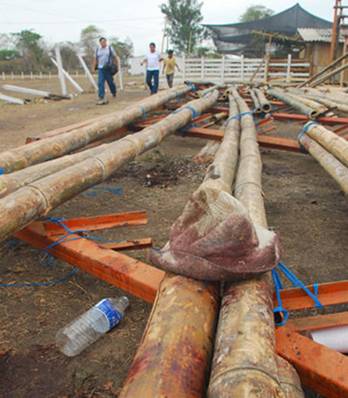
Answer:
(140, 20)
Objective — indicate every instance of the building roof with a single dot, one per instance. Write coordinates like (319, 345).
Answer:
(286, 22)
(317, 35)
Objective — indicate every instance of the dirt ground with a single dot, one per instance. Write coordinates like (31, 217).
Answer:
(303, 204)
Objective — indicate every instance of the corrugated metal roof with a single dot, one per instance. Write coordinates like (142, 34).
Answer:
(317, 35)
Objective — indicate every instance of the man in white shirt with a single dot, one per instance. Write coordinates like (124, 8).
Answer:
(152, 61)
(105, 62)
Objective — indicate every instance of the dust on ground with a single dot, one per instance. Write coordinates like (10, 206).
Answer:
(303, 203)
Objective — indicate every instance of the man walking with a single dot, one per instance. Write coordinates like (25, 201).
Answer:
(152, 62)
(106, 64)
(169, 66)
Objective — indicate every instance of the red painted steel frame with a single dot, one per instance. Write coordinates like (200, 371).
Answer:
(304, 118)
(97, 222)
(118, 269)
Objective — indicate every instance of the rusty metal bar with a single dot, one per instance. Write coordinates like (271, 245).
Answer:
(131, 244)
(96, 223)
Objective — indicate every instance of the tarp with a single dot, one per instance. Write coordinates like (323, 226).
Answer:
(286, 23)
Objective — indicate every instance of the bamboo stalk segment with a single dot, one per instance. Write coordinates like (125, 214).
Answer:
(332, 142)
(334, 167)
(38, 198)
(174, 355)
(264, 103)
(59, 145)
(245, 363)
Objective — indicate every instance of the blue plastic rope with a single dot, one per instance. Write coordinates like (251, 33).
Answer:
(239, 116)
(93, 192)
(191, 108)
(2, 171)
(296, 282)
(143, 112)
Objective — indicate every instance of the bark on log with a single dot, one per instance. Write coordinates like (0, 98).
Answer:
(334, 167)
(289, 380)
(181, 326)
(54, 147)
(38, 198)
(332, 142)
(245, 363)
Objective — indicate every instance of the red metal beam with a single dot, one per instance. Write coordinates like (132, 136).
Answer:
(318, 322)
(132, 244)
(97, 222)
(264, 140)
(118, 269)
(328, 293)
(323, 370)
(304, 118)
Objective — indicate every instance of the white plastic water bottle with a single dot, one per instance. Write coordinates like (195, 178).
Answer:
(88, 327)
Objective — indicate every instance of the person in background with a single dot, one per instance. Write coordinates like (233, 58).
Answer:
(169, 65)
(106, 63)
(152, 62)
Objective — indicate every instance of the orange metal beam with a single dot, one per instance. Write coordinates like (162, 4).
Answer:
(128, 244)
(323, 370)
(328, 294)
(303, 118)
(97, 222)
(264, 140)
(118, 269)
(318, 322)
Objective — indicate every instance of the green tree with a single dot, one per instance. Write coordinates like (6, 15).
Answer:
(124, 49)
(256, 12)
(184, 28)
(7, 55)
(31, 49)
(89, 41)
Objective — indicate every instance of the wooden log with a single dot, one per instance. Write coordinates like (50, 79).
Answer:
(245, 362)
(173, 358)
(334, 167)
(332, 142)
(207, 153)
(56, 146)
(37, 199)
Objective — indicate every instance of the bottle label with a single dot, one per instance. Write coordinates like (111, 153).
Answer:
(112, 315)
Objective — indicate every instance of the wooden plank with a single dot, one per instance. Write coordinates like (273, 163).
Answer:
(132, 244)
(318, 322)
(129, 274)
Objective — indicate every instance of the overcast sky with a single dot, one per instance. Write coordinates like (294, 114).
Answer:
(141, 20)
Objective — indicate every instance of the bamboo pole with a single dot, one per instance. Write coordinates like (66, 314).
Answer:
(295, 102)
(322, 72)
(38, 198)
(173, 357)
(334, 167)
(56, 146)
(264, 103)
(207, 153)
(332, 142)
(257, 105)
(245, 363)
(324, 78)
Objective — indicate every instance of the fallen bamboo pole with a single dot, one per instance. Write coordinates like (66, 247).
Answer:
(245, 363)
(324, 78)
(173, 357)
(207, 153)
(264, 103)
(300, 105)
(334, 167)
(257, 105)
(38, 198)
(59, 145)
(322, 72)
(332, 142)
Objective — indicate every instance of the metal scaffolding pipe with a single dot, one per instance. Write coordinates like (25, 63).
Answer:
(36, 199)
(173, 358)
(53, 147)
(334, 167)
(245, 363)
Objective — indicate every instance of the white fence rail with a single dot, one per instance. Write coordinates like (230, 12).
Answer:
(227, 70)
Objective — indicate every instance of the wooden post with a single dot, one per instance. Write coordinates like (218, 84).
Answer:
(61, 76)
(87, 72)
(288, 69)
(66, 74)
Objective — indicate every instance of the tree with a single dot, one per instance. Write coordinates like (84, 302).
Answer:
(256, 12)
(89, 41)
(7, 55)
(124, 49)
(30, 47)
(184, 30)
